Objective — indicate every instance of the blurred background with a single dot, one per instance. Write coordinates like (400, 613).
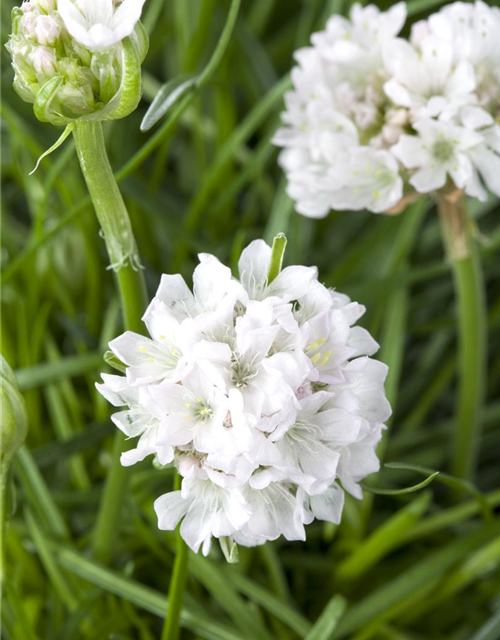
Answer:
(411, 567)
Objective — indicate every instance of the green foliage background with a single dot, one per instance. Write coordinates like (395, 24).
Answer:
(418, 566)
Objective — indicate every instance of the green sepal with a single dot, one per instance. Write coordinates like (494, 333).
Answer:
(140, 39)
(44, 99)
(113, 361)
(229, 549)
(130, 87)
(16, 16)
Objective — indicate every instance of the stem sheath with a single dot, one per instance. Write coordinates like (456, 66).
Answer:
(463, 256)
(122, 250)
(171, 628)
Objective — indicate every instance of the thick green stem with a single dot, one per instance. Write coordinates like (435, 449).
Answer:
(171, 628)
(472, 332)
(120, 243)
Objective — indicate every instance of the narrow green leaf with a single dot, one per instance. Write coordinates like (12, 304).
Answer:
(41, 374)
(166, 98)
(378, 491)
(490, 629)
(423, 573)
(327, 622)
(208, 573)
(142, 596)
(451, 481)
(388, 536)
(59, 581)
(268, 601)
(38, 494)
(451, 517)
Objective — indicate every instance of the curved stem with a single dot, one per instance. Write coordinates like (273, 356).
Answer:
(171, 628)
(120, 243)
(472, 331)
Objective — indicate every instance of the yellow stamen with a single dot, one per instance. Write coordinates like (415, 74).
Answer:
(325, 359)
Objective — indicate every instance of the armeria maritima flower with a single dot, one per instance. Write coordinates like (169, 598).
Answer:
(374, 119)
(263, 394)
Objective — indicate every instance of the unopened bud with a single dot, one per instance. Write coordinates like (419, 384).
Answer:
(63, 72)
(44, 62)
(47, 30)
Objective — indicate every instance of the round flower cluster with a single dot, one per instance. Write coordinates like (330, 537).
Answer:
(70, 59)
(259, 391)
(375, 120)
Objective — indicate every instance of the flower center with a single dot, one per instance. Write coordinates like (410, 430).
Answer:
(318, 357)
(242, 372)
(443, 150)
(201, 411)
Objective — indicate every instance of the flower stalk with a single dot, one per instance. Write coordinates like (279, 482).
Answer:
(171, 628)
(121, 246)
(457, 229)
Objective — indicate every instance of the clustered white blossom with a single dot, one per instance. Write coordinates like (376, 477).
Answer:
(68, 55)
(261, 393)
(375, 120)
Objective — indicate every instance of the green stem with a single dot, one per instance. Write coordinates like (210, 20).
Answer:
(472, 332)
(171, 628)
(120, 243)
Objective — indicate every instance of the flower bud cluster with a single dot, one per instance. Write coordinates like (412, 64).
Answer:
(261, 393)
(64, 75)
(374, 120)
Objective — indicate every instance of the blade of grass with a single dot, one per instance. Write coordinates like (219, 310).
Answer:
(142, 596)
(490, 630)
(422, 574)
(38, 494)
(46, 372)
(61, 585)
(451, 517)
(384, 539)
(325, 626)
(268, 601)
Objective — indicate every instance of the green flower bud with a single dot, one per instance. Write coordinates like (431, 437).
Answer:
(13, 416)
(66, 80)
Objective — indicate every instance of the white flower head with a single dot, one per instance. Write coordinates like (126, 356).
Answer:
(364, 96)
(262, 393)
(100, 24)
